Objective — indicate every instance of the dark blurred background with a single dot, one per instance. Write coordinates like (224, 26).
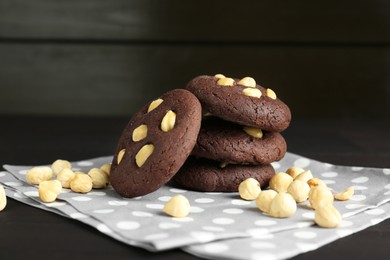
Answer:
(325, 59)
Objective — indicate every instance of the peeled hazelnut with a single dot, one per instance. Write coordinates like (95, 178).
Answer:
(304, 176)
(280, 182)
(38, 174)
(254, 132)
(282, 206)
(219, 76)
(143, 154)
(226, 82)
(345, 194)
(178, 206)
(120, 155)
(65, 176)
(270, 93)
(99, 178)
(106, 168)
(3, 198)
(154, 104)
(299, 190)
(249, 189)
(252, 92)
(263, 201)
(294, 171)
(58, 165)
(320, 195)
(81, 183)
(248, 82)
(327, 216)
(49, 190)
(168, 121)
(315, 182)
(140, 133)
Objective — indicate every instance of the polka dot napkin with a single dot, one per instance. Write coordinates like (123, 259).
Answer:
(220, 225)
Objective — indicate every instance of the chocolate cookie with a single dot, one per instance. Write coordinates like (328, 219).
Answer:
(231, 143)
(155, 143)
(241, 101)
(207, 175)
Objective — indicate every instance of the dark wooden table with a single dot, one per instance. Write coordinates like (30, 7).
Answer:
(27, 232)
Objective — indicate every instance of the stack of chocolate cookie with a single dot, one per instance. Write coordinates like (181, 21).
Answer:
(239, 136)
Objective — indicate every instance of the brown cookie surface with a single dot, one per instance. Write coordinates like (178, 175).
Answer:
(232, 103)
(155, 144)
(207, 175)
(228, 142)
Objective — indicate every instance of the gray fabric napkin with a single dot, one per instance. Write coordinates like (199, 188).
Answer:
(214, 216)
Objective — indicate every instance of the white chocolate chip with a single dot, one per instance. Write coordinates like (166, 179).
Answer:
(263, 201)
(345, 194)
(120, 155)
(270, 93)
(299, 190)
(294, 171)
(58, 165)
(178, 207)
(219, 76)
(226, 82)
(320, 195)
(280, 182)
(3, 198)
(249, 189)
(155, 104)
(304, 176)
(168, 121)
(99, 178)
(38, 174)
(254, 132)
(327, 216)
(49, 190)
(283, 205)
(247, 82)
(106, 168)
(143, 154)
(65, 177)
(252, 92)
(140, 133)
(81, 183)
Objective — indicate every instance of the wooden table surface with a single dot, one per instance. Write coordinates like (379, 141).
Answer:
(27, 232)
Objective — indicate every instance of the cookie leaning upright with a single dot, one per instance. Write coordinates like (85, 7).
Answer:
(155, 143)
(241, 101)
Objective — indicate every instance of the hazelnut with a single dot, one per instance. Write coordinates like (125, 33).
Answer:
(264, 199)
(38, 174)
(249, 189)
(81, 183)
(219, 76)
(178, 206)
(270, 93)
(65, 176)
(254, 132)
(283, 205)
(154, 104)
(327, 216)
(49, 190)
(99, 178)
(106, 168)
(280, 182)
(120, 155)
(225, 82)
(3, 198)
(252, 92)
(140, 133)
(248, 82)
(168, 121)
(294, 171)
(299, 190)
(58, 165)
(143, 154)
(345, 194)
(315, 182)
(304, 176)
(320, 195)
